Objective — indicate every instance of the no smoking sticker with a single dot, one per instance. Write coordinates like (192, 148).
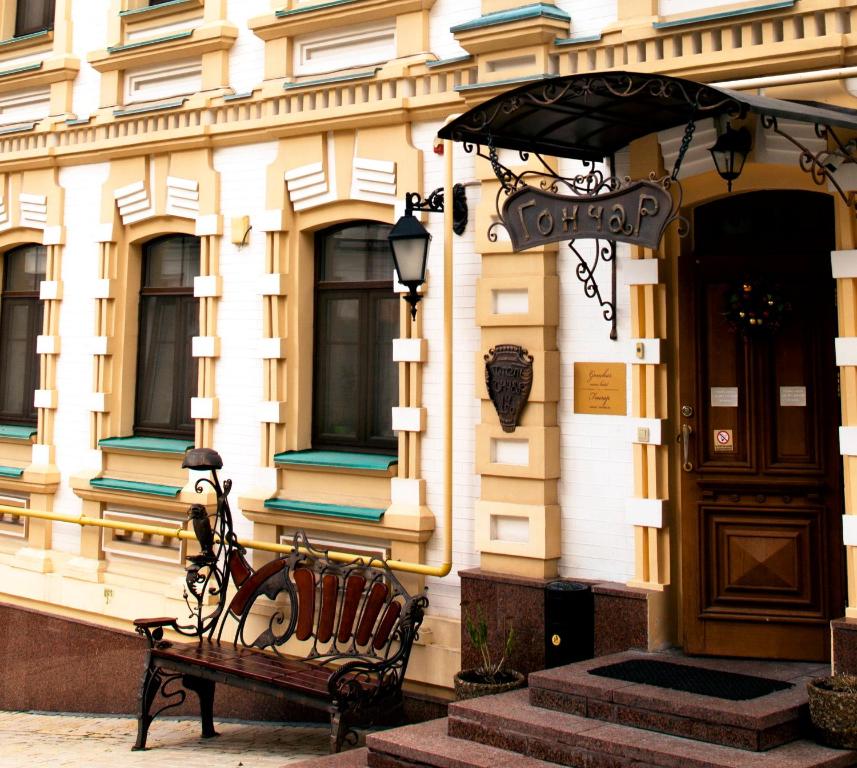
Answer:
(723, 442)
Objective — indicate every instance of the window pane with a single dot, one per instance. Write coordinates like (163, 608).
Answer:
(338, 388)
(384, 373)
(24, 268)
(156, 374)
(357, 254)
(19, 321)
(33, 16)
(171, 262)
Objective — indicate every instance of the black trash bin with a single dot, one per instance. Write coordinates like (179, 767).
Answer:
(569, 623)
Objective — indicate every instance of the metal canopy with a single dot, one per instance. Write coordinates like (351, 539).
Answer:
(592, 116)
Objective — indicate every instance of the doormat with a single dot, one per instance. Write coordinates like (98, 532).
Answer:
(680, 677)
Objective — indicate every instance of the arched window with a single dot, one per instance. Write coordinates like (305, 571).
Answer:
(169, 319)
(356, 318)
(20, 323)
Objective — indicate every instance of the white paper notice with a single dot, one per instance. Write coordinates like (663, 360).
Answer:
(724, 397)
(794, 397)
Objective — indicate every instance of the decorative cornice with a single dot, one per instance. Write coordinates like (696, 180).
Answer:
(524, 13)
(721, 15)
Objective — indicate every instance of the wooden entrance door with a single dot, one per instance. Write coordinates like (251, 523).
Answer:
(761, 496)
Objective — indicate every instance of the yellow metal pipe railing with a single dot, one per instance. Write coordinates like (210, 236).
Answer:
(397, 565)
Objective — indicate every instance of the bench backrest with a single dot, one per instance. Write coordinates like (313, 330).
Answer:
(344, 609)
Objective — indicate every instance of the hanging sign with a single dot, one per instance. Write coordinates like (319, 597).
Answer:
(600, 388)
(636, 214)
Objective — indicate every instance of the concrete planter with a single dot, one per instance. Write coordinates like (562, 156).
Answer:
(469, 684)
(833, 710)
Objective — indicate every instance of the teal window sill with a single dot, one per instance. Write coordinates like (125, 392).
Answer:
(132, 486)
(143, 43)
(310, 8)
(373, 462)
(11, 472)
(147, 444)
(16, 432)
(326, 510)
(22, 38)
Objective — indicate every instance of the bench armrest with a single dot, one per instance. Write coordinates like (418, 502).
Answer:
(364, 679)
(153, 630)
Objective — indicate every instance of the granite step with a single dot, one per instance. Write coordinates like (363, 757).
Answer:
(428, 745)
(509, 722)
(755, 724)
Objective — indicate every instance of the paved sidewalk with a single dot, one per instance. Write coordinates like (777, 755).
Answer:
(41, 740)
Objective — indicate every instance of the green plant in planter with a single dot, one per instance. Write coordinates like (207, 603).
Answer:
(491, 676)
(490, 670)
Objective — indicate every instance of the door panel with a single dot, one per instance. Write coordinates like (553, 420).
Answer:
(762, 566)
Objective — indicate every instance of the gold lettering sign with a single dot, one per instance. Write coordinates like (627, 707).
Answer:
(600, 388)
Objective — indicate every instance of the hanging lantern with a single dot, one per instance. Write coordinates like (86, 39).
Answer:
(730, 153)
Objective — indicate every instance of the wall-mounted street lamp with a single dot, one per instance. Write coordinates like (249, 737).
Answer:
(730, 153)
(409, 239)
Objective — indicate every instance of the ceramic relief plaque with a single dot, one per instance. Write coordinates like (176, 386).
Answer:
(509, 378)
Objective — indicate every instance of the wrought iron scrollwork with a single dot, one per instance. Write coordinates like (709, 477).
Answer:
(821, 166)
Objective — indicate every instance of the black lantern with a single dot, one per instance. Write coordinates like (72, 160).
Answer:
(409, 242)
(730, 152)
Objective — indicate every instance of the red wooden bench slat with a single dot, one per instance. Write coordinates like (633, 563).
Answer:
(305, 582)
(386, 625)
(351, 602)
(239, 568)
(374, 603)
(243, 595)
(327, 614)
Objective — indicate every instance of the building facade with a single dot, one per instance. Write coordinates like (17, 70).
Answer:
(195, 197)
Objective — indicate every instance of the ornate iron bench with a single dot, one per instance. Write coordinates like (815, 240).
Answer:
(356, 621)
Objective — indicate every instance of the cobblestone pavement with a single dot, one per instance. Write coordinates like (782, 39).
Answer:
(42, 740)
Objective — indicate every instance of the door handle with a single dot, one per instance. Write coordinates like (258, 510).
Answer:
(684, 438)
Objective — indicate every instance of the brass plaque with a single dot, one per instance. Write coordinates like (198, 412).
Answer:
(556, 639)
(600, 388)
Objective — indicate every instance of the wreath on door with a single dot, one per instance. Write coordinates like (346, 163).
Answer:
(754, 307)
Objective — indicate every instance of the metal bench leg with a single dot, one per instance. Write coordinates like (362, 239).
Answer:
(148, 690)
(205, 690)
(338, 730)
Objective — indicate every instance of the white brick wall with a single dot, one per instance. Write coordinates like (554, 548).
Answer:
(82, 186)
(588, 17)
(88, 35)
(446, 14)
(595, 451)
(246, 59)
(444, 594)
(237, 432)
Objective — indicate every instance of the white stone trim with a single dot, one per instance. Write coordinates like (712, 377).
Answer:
(848, 441)
(45, 398)
(273, 349)
(47, 345)
(42, 455)
(50, 289)
(648, 513)
(272, 220)
(640, 271)
(849, 530)
(102, 288)
(406, 491)
(101, 345)
(104, 234)
(646, 351)
(409, 350)
(646, 431)
(843, 263)
(203, 407)
(99, 402)
(273, 284)
(273, 411)
(408, 419)
(846, 350)
(207, 286)
(53, 236)
(205, 346)
(209, 225)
